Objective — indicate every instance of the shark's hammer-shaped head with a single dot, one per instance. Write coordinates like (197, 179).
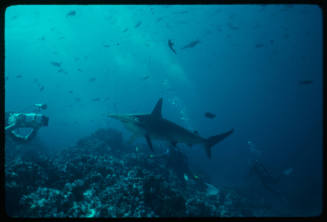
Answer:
(138, 119)
(139, 123)
(125, 118)
(130, 121)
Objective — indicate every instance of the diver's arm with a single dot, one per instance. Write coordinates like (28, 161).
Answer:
(13, 121)
(10, 127)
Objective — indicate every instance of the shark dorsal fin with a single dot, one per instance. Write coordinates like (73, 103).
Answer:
(156, 112)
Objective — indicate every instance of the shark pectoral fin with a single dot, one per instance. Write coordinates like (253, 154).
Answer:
(132, 139)
(10, 127)
(148, 140)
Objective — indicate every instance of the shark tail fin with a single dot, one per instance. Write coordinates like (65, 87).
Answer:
(211, 141)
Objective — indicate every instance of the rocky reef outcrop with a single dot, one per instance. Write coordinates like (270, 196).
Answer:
(102, 176)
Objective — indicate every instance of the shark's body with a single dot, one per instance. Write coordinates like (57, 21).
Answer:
(154, 126)
(191, 44)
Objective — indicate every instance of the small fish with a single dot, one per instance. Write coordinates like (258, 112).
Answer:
(210, 115)
(259, 45)
(159, 19)
(60, 70)
(145, 77)
(71, 13)
(70, 91)
(106, 45)
(7, 77)
(138, 24)
(191, 44)
(305, 82)
(41, 88)
(57, 64)
(272, 41)
(181, 12)
(92, 79)
(19, 76)
(288, 171)
(96, 99)
(171, 46)
(79, 70)
(77, 99)
(125, 30)
(35, 80)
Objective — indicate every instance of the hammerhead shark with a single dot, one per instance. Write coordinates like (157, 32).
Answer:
(154, 126)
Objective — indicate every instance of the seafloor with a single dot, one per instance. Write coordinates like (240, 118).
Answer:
(102, 176)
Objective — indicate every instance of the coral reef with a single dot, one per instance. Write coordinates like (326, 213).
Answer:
(101, 176)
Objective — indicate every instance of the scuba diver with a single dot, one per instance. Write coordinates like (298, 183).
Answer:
(266, 178)
(16, 122)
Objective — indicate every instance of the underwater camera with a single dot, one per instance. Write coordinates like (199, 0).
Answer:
(45, 120)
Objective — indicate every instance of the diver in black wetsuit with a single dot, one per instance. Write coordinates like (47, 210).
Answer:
(16, 121)
(265, 177)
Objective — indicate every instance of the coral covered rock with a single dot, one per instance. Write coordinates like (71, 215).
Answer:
(103, 177)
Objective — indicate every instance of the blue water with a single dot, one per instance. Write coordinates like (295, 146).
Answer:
(245, 69)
